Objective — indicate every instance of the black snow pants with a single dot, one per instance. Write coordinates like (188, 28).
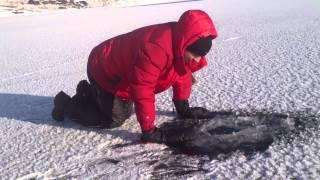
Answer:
(99, 109)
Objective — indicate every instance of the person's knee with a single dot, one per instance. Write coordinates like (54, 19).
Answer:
(122, 109)
(113, 122)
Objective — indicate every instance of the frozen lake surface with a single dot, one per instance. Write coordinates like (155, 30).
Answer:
(265, 58)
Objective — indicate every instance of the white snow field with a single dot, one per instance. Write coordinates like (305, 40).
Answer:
(267, 56)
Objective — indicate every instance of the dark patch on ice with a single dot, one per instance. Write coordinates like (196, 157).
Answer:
(222, 135)
(152, 162)
(227, 131)
(223, 130)
(178, 166)
(113, 161)
(116, 146)
(161, 166)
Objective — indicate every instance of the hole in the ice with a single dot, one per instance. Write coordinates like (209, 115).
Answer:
(223, 130)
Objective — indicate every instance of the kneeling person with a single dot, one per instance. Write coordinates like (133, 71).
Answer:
(131, 68)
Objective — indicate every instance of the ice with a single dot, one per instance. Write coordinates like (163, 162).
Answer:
(273, 66)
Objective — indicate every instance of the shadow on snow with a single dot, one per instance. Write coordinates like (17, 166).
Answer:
(37, 110)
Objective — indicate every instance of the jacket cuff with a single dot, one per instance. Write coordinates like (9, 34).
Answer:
(146, 125)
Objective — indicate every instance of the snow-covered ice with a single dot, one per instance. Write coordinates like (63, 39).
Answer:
(266, 57)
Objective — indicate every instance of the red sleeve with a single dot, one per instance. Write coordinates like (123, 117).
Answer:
(194, 66)
(182, 87)
(150, 61)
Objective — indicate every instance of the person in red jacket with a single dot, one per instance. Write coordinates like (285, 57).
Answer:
(131, 68)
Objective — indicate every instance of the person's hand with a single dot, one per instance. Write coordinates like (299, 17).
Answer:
(184, 111)
(198, 113)
(155, 135)
(167, 135)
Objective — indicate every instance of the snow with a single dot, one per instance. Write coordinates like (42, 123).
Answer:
(126, 3)
(266, 57)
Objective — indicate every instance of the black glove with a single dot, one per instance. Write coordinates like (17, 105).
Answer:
(167, 135)
(184, 111)
(155, 135)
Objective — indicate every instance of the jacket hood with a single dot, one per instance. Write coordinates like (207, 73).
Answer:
(192, 25)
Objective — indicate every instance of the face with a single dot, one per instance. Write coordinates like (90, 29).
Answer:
(189, 56)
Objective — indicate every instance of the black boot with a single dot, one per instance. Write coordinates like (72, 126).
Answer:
(84, 89)
(60, 102)
(83, 108)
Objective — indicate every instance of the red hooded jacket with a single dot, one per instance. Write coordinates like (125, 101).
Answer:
(149, 60)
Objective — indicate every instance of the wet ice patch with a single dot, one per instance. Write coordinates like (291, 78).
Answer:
(227, 132)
